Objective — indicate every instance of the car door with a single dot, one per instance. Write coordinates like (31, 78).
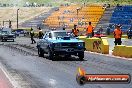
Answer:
(46, 42)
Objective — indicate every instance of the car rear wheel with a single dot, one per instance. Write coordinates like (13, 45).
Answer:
(40, 52)
(81, 56)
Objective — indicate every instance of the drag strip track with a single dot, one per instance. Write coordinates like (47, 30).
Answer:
(27, 50)
(62, 71)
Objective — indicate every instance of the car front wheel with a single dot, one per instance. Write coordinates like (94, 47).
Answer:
(50, 55)
(2, 40)
(81, 56)
(129, 37)
(40, 52)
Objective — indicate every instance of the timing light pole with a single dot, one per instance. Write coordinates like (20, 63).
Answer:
(17, 18)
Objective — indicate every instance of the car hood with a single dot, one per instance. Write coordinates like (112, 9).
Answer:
(65, 41)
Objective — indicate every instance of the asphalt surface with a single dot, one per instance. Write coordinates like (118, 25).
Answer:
(30, 71)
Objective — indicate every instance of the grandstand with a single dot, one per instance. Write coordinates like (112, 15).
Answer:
(69, 13)
(122, 15)
(75, 14)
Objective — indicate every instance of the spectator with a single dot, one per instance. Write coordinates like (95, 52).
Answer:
(117, 35)
(75, 31)
(90, 31)
(108, 31)
(40, 33)
(32, 36)
(64, 28)
(100, 30)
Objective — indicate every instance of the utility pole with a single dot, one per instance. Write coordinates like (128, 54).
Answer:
(17, 18)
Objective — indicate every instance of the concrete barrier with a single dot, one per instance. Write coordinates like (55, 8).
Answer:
(123, 51)
(96, 44)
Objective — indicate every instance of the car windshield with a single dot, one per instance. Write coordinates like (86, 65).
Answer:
(4, 32)
(62, 34)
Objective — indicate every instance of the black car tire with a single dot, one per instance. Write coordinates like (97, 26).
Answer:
(128, 37)
(81, 56)
(40, 52)
(50, 54)
(2, 40)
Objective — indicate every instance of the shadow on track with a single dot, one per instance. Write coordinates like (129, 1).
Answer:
(65, 58)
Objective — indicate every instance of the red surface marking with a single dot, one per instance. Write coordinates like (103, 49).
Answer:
(4, 82)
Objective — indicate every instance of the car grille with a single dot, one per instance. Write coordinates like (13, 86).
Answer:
(10, 36)
(71, 45)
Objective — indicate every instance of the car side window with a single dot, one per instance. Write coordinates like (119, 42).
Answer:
(46, 35)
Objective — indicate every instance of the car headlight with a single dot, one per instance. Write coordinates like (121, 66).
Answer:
(57, 44)
(80, 44)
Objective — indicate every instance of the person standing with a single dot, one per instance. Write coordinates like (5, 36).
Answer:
(40, 35)
(63, 28)
(108, 31)
(75, 31)
(90, 31)
(117, 35)
(32, 36)
(100, 30)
